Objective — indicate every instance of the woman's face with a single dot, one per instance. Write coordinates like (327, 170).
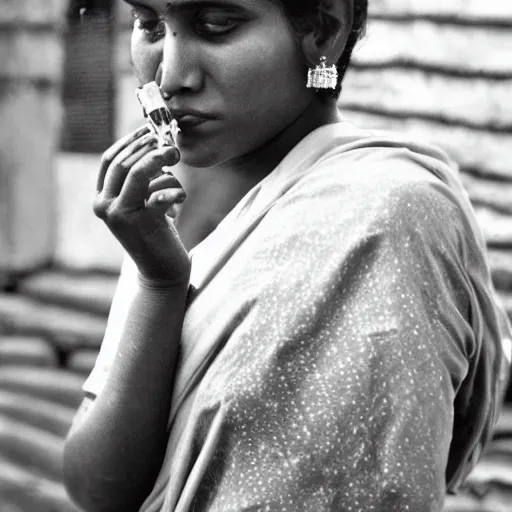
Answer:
(235, 63)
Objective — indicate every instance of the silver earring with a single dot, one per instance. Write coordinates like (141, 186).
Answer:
(323, 76)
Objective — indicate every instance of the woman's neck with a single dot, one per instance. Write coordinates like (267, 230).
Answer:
(213, 192)
(265, 159)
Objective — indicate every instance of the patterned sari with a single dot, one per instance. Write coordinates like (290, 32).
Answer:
(342, 348)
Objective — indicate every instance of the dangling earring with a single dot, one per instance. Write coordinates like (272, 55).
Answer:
(323, 77)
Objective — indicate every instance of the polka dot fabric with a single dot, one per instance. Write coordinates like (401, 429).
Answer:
(335, 389)
(341, 319)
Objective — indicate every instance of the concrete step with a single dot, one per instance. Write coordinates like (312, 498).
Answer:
(66, 328)
(490, 193)
(27, 350)
(500, 262)
(504, 425)
(23, 490)
(32, 447)
(36, 412)
(500, 448)
(82, 361)
(55, 385)
(493, 468)
(86, 291)
(496, 227)
(506, 300)
(492, 497)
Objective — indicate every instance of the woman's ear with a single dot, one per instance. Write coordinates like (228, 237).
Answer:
(329, 31)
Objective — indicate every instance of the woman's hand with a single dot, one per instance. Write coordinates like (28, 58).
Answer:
(133, 196)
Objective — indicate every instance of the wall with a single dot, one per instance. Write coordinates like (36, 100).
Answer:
(30, 112)
(442, 70)
(88, 80)
(128, 111)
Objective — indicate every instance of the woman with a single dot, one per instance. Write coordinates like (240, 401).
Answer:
(308, 332)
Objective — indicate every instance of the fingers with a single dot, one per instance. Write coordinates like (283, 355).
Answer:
(124, 161)
(135, 188)
(166, 200)
(162, 182)
(111, 153)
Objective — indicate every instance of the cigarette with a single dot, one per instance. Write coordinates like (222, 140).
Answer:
(162, 124)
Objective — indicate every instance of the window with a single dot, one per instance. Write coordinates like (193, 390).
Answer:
(88, 77)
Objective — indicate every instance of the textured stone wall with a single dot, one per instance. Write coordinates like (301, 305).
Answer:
(442, 70)
(30, 111)
(50, 331)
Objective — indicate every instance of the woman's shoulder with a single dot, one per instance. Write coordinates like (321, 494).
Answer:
(378, 184)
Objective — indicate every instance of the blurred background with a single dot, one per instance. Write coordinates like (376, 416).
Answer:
(438, 69)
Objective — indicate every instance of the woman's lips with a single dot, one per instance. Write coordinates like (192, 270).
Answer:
(190, 120)
(193, 124)
(190, 117)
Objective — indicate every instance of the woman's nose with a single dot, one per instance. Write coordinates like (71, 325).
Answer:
(179, 71)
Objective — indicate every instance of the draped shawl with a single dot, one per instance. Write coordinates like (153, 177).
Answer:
(342, 347)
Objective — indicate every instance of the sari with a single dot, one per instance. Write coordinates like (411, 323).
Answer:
(342, 347)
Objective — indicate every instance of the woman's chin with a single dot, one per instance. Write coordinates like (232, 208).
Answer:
(193, 150)
(201, 152)
(197, 157)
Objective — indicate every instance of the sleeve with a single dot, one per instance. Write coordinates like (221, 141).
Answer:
(363, 339)
(123, 297)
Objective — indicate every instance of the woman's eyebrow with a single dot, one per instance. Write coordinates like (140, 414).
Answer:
(175, 5)
(135, 3)
(132, 2)
(185, 5)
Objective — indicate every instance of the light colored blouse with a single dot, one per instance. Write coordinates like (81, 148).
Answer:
(342, 348)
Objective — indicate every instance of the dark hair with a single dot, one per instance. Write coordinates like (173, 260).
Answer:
(301, 11)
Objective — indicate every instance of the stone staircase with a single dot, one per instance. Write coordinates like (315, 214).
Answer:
(51, 326)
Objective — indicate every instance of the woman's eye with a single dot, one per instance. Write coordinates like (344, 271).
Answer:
(215, 25)
(153, 27)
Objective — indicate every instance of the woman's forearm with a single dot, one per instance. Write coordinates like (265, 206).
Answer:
(111, 460)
